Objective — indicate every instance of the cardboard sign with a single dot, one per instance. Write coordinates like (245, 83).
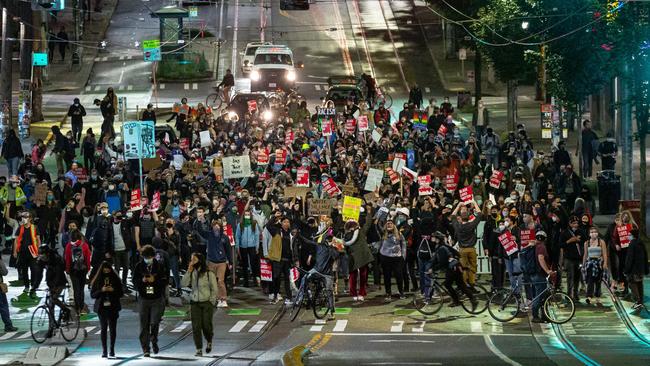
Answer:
(495, 179)
(466, 194)
(451, 182)
(320, 207)
(351, 208)
(184, 144)
(508, 242)
(527, 237)
(363, 123)
(150, 164)
(302, 177)
(331, 187)
(296, 191)
(376, 135)
(136, 199)
(236, 167)
(192, 167)
(262, 157)
(394, 177)
(350, 126)
(424, 180)
(623, 232)
(373, 181)
(280, 156)
(327, 127)
(231, 237)
(40, 194)
(349, 189)
(155, 202)
(206, 140)
(520, 188)
(266, 273)
(398, 164)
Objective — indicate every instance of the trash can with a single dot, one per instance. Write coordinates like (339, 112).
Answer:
(609, 191)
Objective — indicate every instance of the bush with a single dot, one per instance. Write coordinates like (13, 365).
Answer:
(183, 66)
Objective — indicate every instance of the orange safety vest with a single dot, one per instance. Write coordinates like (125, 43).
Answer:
(33, 248)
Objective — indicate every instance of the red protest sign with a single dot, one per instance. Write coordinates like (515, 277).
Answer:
(394, 177)
(302, 177)
(451, 182)
(527, 237)
(81, 174)
(350, 126)
(331, 188)
(424, 180)
(327, 127)
(442, 131)
(229, 234)
(495, 179)
(262, 157)
(466, 194)
(252, 105)
(508, 242)
(288, 138)
(184, 143)
(136, 199)
(280, 156)
(623, 232)
(266, 273)
(155, 202)
(425, 191)
(363, 123)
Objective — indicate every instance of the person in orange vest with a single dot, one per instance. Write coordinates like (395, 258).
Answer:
(26, 252)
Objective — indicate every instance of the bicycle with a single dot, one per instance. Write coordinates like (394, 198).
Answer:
(435, 296)
(383, 97)
(215, 99)
(53, 317)
(504, 304)
(316, 291)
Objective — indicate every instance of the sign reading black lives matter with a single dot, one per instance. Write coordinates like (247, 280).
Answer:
(236, 167)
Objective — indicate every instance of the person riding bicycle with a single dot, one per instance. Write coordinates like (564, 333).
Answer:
(447, 258)
(371, 88)
(55, 279)
(227, 83)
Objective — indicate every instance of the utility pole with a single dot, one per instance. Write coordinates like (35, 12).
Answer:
(25, 84)
(39, 45)
(8, 32)
(627, 182)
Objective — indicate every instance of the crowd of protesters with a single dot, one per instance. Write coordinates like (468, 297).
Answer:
(199, 228)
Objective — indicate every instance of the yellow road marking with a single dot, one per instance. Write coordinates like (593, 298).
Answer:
(322, 343)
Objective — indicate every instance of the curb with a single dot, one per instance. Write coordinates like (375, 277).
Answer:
(295, 356)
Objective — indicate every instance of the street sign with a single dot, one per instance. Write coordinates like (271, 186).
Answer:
(39, 59)
(462, 54)
(194, 11)
(153, 43)
(152, 54)
(139, 140)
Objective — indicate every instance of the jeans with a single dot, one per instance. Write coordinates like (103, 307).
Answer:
(498, 272)
(150, 312)
(425, 281)
(409, 270)
(12, 165)
(173, 266)
(121, 258)
(512, 267)
(4, 310)
(201, 315)
(538, 285)
(587, 164)
(76, 131)
(360, 274)
(572, 268)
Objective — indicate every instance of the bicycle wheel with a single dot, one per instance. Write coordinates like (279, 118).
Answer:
(40, 325)
(214, 100)
(559, 307)
(503, 305)
(482, 298)
(69, 324)
(431, 302)
(297, 305)
(386, 99)
(323, 304)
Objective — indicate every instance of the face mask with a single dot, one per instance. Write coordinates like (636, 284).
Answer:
(513, 197)
(24, 220)
(502, 227)
(50, 197)
(148, 261)
(14, 185)
(494, 215)
(479, 202)
(93, 176)
(477, 181)
(506, 224)
(111, 187)
(129, 215)
(32, 181)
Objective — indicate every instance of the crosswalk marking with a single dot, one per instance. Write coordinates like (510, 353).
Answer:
(317, 86)
(186, 86)
(195, 86)
(180, 328)
(162, 86)
(397, 326)
(24, 335)
(497, 328)
(7, 336)
(130, 87)
(319, 324)
(340, 325)
(97, 87)
(121, 87)
(391, 89)
(88, 87)
(258, 326)
(89, 329)
(121, 58)
(427, 90)
(419, 329)
(477, 327)
(238, 326)
(568, 329)
(97, 59)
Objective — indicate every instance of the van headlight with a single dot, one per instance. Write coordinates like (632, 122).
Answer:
(291, 75)
(255, 75)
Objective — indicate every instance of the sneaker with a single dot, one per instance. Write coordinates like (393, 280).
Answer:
(32, 293)
(636, 306)
(26, 289)
(104, 355)
(402, 296)
(360, 298)
(355, 298)
(271, 297)
(146, 354)
(208, 348)
(10, 328)
(198, 353)
(388, 298)
(154, 347)
(288, 302)
(222, 304)
(111, 355)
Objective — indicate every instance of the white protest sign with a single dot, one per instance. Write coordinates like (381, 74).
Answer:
(374, 179)
(236, 167)
(376, 136)
(520, 188)
(205, 138)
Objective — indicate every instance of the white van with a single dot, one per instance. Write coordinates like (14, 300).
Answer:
(248, 56)
(273, 69)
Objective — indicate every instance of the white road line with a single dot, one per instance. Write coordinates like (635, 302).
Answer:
(317, 87)
(97, 59)
(7, 335)
(121, 58)
(24, 335)
(419, 329)
(477, 327)
(238, 326)
(397, 326)
(392, 41)
(88, 87)
(258, 326)
(497, 328)
(568, 329)
(391, 89)
(162, 86)
(342, 40)
(195, 86)
(130, 87)
(89, 329)
(180, 328)
(427, 90)
(340, 325)
(498, 353)
(399, 341)
(320, 323)
(105, 59)
(355, 5)
(121, 87)
(97, 87)
(186, 86)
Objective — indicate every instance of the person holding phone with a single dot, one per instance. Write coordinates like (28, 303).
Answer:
(203, 297)
(106, 289)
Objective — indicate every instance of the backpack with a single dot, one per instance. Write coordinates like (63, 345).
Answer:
(78, 259)
(528, 260)
(424, 250)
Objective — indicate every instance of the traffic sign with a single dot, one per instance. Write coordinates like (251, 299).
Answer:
(152, 54)
(39, 59)
(153, 43)
(194, 11)
(462, 54)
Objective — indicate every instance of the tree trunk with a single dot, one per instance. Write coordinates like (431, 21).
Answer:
(512, 104)
(643, 185)
(478, 92)
(8, 31)
(37, 83)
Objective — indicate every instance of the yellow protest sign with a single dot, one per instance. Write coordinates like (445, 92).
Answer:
(351, 208)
